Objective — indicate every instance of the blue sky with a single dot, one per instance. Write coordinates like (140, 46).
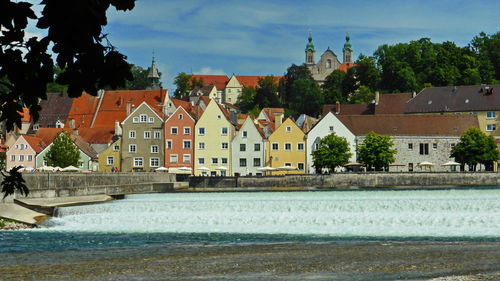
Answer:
(265, 37)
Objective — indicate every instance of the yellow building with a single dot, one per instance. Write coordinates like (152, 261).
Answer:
(213, 135)
(109, 159)
(286, 149)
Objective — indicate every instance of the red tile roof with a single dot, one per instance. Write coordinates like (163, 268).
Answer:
(82, 111)
(36, 143)
(97, 135)
(49, 134)
(270, 112)
(219, 81)
(114, 105)
(392, 103)
(253, 81)
(345, 66)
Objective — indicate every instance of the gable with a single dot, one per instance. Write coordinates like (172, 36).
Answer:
(233, 82)
(143, 109)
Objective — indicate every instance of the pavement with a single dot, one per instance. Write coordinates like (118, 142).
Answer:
(21, 214)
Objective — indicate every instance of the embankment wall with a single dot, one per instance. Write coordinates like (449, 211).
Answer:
(348, 180)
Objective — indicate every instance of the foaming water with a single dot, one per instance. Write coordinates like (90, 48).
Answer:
(437, 213)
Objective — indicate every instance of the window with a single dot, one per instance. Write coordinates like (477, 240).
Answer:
(157, 135)
(288, 146)
(274, 146)
(224, 131)
(256, 162)
(300, 166)
(435, 146)
(453, 145)
(424, 149)
(201, 145)
(215, 161)
(173, 158)
(288, 164)
(224, 145)
(132, 148)
(173, 130)
(491, 127)
(186, 144)
(223, 161)
(168, 144)
(21, 157)
(300, 146)
(110, 161)
(218, 117)
(36, 127)
(201, 131)
(245, 134)
(144, 118)
(329, 63)
(13, 158)
(151, 120)
(410, 146)
(187, 158)
(135, 120)
(491, 115)
(147, 134)
(187, 131)
(243, 162)
(138, 162)
(154, 162)
(229, 90)
(243, 147)
(256, 146)
(30, 157)
(288, 129)
(331, 129)
(131, 134)
(116, 148)
(181, 116)
(201, 161)
(154, 149)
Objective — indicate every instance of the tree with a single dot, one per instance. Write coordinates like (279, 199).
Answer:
(140, 79)
(375, 151)
(476, 147)
(332, 88)
(293, 73)
(266, 94)
(63, 152)
(12, 182)
(246, 101)
(333, 151)
(306, 97)
(362, 96)
(184, 85)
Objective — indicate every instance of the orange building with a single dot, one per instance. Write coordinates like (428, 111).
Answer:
(179, 139)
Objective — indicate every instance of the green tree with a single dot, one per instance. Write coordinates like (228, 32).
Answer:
(246, 101)
(140, 79)
(293, 73)
(367, 72)
(63, 152)
(184, 85)
(362, 96)
(332, 88)
(13, 181)
(376, 151)
(307, 97)
(266, 94)
(475, 147)
(487, 50)
(333, 151)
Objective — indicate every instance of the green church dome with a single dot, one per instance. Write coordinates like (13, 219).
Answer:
(347, 45)
(310, 45)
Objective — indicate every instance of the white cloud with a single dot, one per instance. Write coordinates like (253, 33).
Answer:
(210, 71)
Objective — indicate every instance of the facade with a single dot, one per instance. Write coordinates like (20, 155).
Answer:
(213, 135)
(286, 147)
(233, 90)
(23, 152)
(248, 149)
(109, 159)
(142, 140)
(179, 139)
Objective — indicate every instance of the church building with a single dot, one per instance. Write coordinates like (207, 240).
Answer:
(328, 61)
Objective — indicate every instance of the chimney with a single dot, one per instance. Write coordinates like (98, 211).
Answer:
(118, 129)
(377, 97)
(337, 107)
(75, 132)
(414, 94)
(129, 108)
(278, 119)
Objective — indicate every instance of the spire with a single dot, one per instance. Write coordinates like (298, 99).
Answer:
(347, 50)
(347, 44)
(310, 45)
(154, 75)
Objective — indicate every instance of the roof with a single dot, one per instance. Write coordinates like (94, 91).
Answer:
(219, 81)
(349, 109)
(55, 107)
(205, 90)
(82, 111)
(253, 81)
(269, 111)
(392, 103)
(114, 105)
(37, 144)
(84, 146)
(409, 125)
(97, 135)
(456, 99)
(346, 65)
(49, 134)
(306, 122)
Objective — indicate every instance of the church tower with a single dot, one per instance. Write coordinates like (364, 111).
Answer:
(153, 76)
(347, 50)
(310, 51)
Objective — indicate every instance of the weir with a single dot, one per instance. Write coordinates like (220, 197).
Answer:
(438, 213)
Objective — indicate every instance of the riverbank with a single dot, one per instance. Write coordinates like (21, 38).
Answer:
(342, 260)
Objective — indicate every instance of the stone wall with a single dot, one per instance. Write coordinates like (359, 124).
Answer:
(348, 180)
(78, 184)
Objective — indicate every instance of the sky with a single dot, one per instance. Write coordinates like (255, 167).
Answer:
(265, 37)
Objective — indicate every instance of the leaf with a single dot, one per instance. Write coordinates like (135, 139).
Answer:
(14, 181)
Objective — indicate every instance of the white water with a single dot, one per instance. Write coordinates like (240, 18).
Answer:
(440, 213)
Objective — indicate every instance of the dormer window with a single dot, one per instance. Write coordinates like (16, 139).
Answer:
(288, 129)
(144, 118)
(181, 116)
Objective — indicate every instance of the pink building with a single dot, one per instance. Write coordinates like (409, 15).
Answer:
(23, 152)
(179, 139)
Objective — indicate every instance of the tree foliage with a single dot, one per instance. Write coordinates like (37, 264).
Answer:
(14, 181)
(475, 147)
(246, 101)
(333, 151)
(80, 47)
(333, 87)
(266, 94)
(293, 73)
(376, 151)
(63, 152)
(306, 97)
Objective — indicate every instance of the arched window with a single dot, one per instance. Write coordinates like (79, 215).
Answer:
(329, 63)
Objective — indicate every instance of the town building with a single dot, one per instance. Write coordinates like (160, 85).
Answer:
(179, 140)
(23, 152)
(248, 149)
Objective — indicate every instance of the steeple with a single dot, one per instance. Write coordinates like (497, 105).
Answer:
(153, 76)
(310, 51)
(347, 50)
